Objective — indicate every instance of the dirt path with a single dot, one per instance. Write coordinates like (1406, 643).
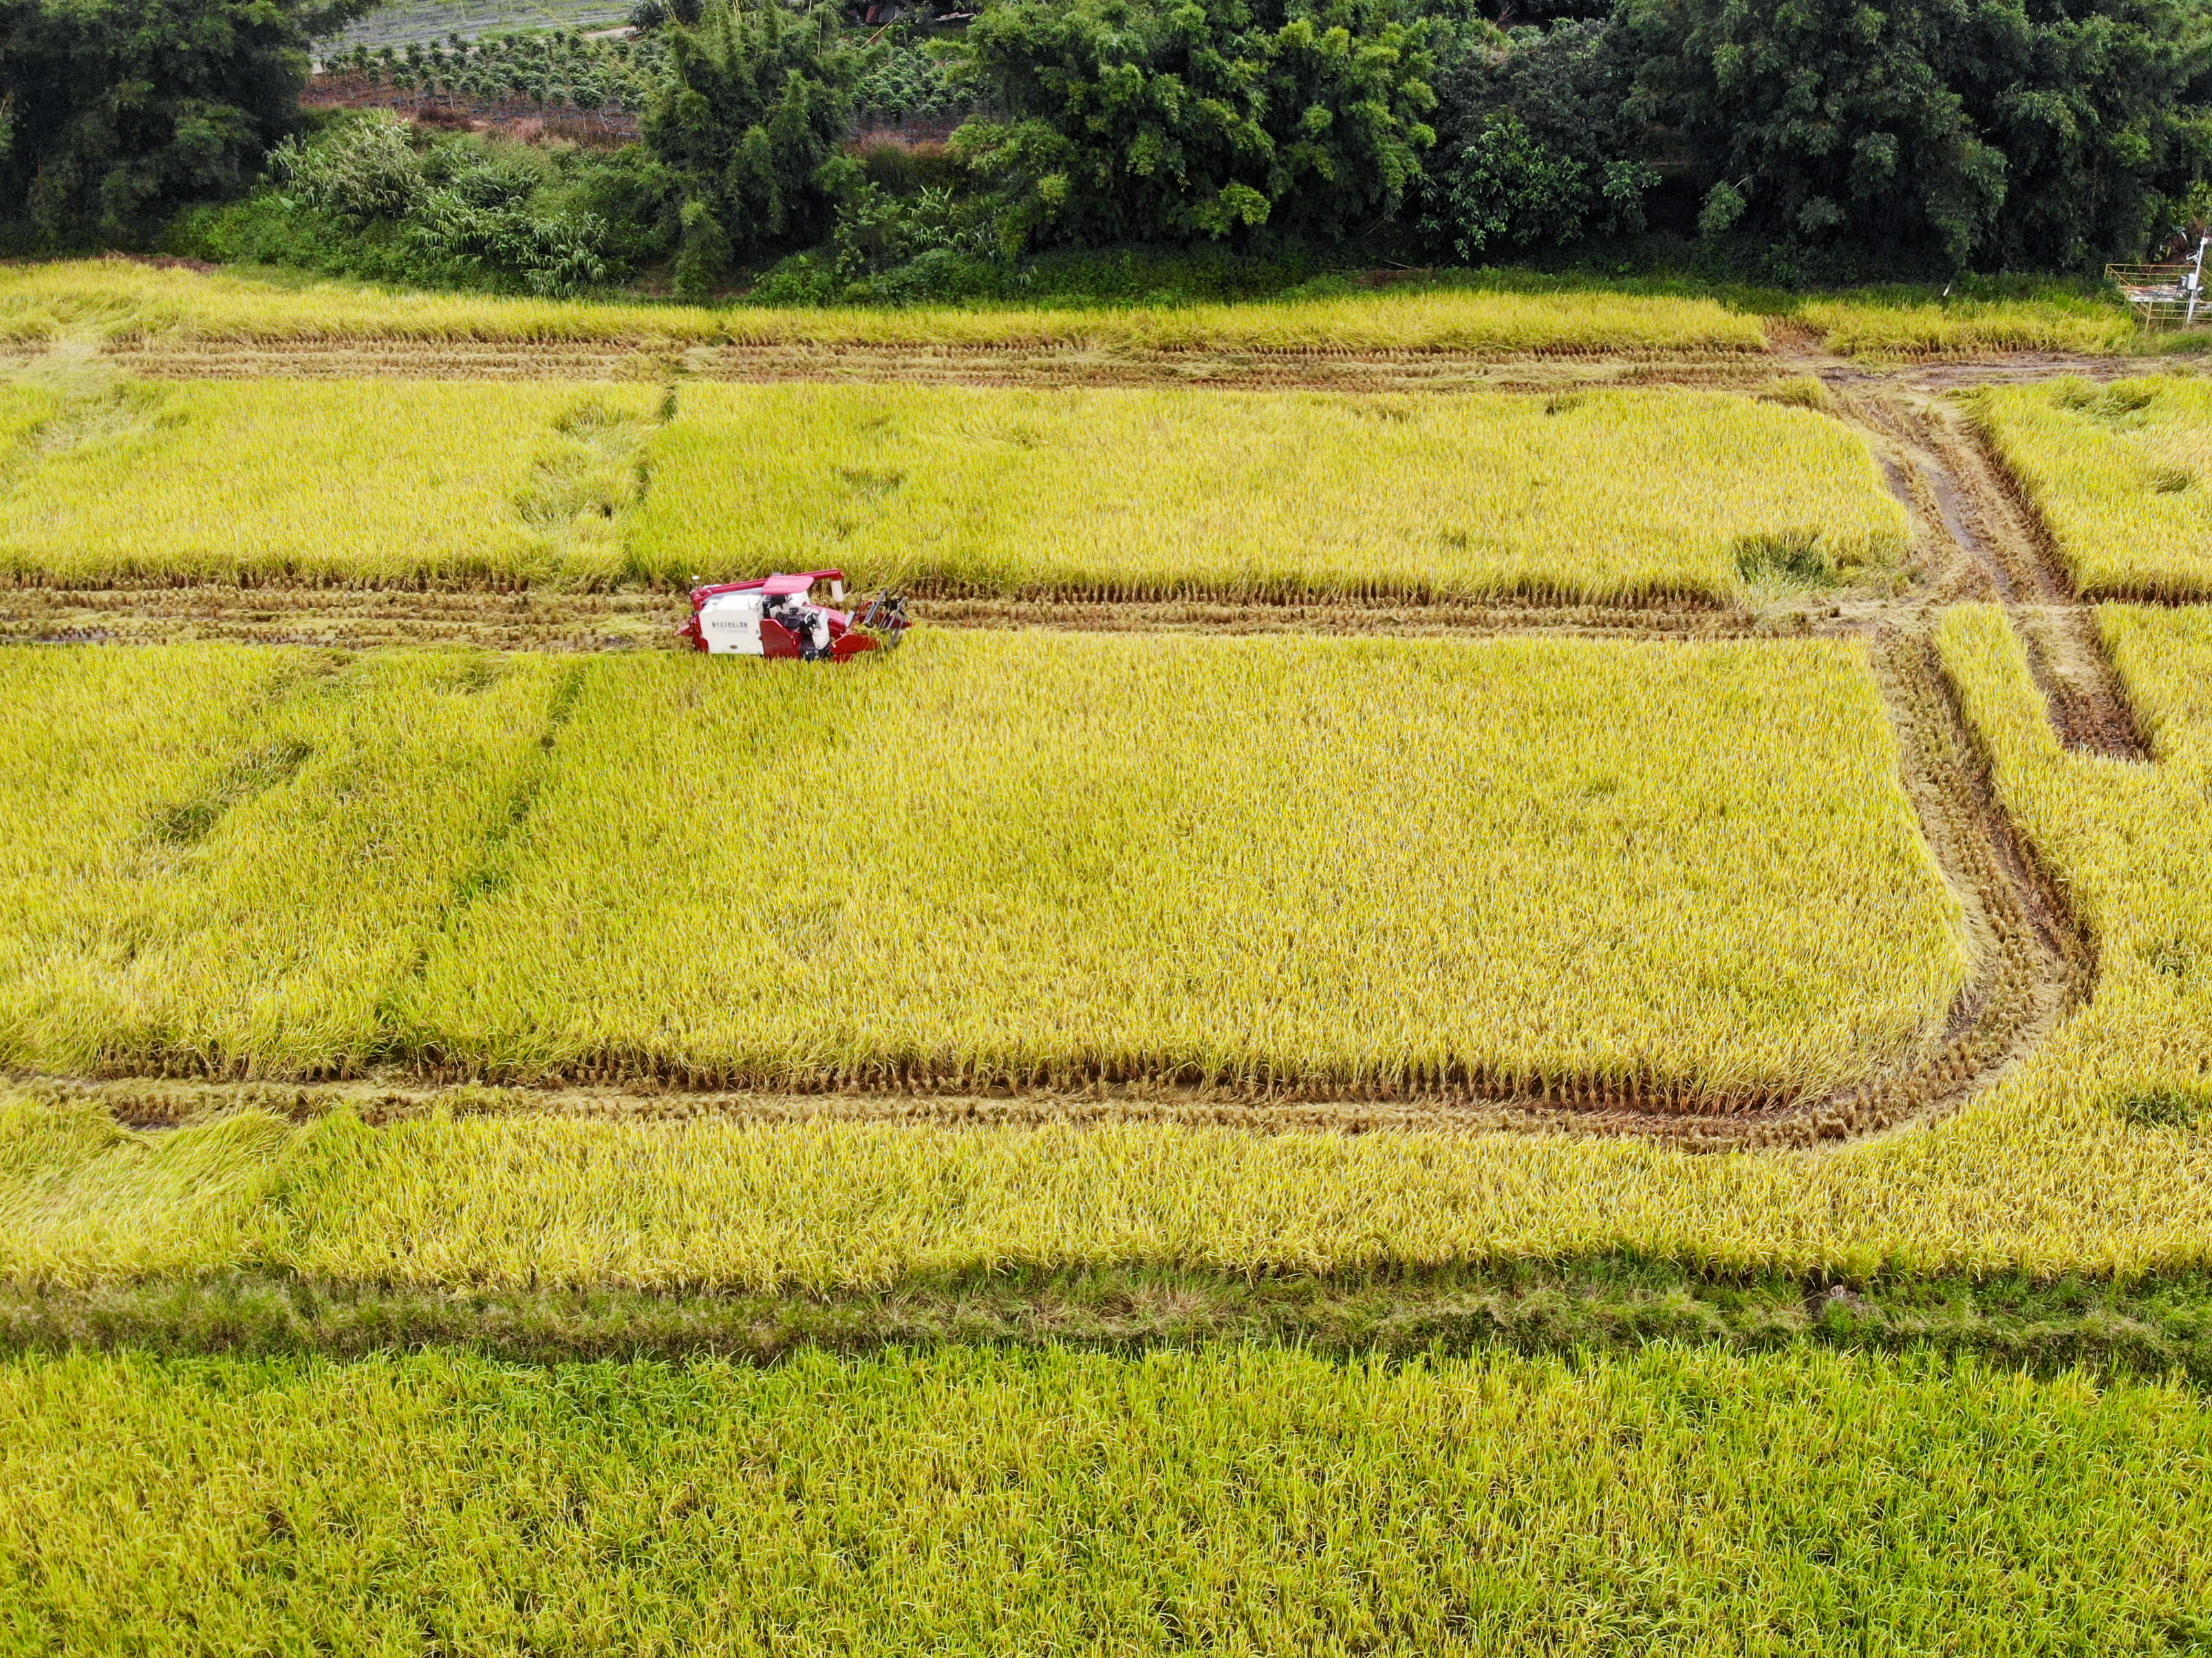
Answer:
(1993, 546)
(1975, 538)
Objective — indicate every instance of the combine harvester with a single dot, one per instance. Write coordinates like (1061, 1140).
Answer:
(776, 616)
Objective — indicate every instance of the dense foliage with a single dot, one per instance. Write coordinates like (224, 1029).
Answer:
(1538, 147)
(758, 98)
(372, 195)
(1821, 139)
(114, 113)
(2011, 133)
(905, 81)
(1124, 120)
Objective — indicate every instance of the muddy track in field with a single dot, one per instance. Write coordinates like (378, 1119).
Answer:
(1975, 538)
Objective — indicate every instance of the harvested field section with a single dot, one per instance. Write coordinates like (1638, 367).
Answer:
(422, 484)
(2121, 474)
(1615, 497)
(1239, 1500)
(129, 302)
(1053, 860)
(222, 861)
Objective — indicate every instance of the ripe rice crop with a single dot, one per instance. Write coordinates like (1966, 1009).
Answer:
(1617, 497)
(2119, 473)
(2133, 842)
(23, 411)
(221, 859)
(2092, 1155)
(1078, 858)
(1031, 859)
(403, 484)
(1964, 328)
(1238, 1500)
(128, 302)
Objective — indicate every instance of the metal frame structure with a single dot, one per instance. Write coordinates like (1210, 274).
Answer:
(2165, 295)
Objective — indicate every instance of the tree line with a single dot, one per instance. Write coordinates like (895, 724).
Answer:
(1838, 136)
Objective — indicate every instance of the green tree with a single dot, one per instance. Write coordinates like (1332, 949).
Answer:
(2036, 133)
(757, 100)
(1534, 146)
(115, 113)
(1195, 120)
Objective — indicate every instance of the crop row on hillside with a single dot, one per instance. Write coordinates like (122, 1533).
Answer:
(2092, 1155)
(997, 859)
(1239, 1500)
(1610, 496)
(124, 302)
(2120, 474)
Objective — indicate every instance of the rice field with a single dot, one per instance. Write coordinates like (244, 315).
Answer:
(1869, 328)
(520, 869)
(1253, 1501)
(123, 303)
(1613, 496)
(219, 859)
(417, 484)
(458, 484)
(1150, 893)
(2119, 474)
(2089, 1157)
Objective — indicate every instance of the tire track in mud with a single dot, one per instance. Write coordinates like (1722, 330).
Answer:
(1997, 548)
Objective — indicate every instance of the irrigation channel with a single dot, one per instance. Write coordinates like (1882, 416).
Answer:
(1975, 538)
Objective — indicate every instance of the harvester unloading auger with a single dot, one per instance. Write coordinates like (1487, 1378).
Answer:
(776, 616)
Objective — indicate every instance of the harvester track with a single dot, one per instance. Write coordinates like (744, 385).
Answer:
(1975, 537)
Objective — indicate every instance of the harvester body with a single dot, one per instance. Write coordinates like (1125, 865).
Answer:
(775, 617)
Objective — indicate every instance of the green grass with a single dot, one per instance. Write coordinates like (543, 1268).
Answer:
(1252, 1500)
(2158, 1326)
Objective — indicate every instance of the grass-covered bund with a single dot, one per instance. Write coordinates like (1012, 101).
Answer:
(1486, 313)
